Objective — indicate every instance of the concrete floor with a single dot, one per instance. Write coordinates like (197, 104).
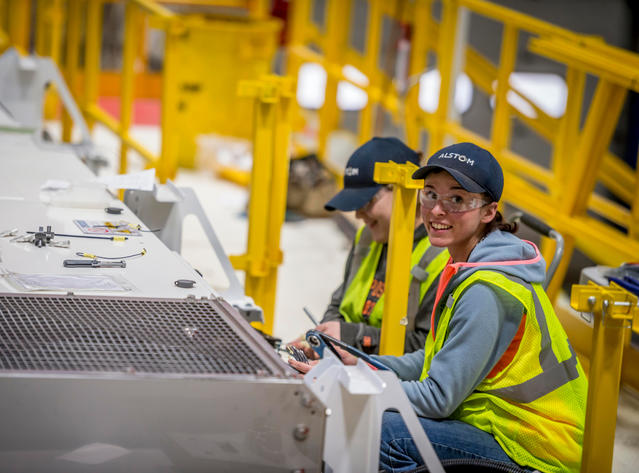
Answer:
(314, 255)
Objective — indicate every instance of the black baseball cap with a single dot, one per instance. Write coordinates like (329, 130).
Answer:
(359, 186)
(474, 168)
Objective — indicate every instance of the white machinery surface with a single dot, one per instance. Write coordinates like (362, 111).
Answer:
(120, 369)
(25, 167)
(146, 377)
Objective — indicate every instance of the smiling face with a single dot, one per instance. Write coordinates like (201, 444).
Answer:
(458, 231)
(376, 214)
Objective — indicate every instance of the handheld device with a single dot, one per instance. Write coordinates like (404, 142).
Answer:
(319, 341)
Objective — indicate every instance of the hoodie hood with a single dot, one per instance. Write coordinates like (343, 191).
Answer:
(498, 251)
(506, 253)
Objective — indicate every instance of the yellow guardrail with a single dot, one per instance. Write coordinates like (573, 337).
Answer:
(272, 96)
(400, 247)
(166, 162)
(613, 310)
(562, 193)
(247, 41)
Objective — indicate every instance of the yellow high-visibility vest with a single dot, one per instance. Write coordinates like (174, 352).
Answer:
(534, 400)
(426, 262)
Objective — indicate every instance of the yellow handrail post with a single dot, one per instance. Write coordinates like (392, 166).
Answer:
(447, 33)
(128, 77)
(74, 20)
(298, 15)
(418, 64)
(267, 202)
(278, 190)
(167, 165)
(613, 309)
(19, 25)
(57, 17)
(500, 133)
(373, 36)
(92, 56)
(50, 16)
(592, 144)
(338, 12)
(562, 160)
(568, 133)
(41, 28)
(400, 247)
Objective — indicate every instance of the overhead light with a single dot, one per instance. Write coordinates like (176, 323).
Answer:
(311, 85)
(547, 91)
(429, 85)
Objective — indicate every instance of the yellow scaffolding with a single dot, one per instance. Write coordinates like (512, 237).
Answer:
(562, 194)
(536, 189)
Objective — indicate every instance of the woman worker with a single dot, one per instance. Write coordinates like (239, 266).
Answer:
(354, 314)
(497, 378)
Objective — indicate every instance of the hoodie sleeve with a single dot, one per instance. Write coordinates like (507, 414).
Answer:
(483, 324)
(407, 367)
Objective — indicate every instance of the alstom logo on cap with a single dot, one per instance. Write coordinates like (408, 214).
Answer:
(460, 157)
(351, 171)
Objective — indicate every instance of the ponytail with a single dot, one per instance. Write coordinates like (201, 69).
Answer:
(498, 223)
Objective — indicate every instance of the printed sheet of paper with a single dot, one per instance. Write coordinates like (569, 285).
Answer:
(143, 180)
(109, 228)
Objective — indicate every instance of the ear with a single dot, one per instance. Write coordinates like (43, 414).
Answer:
(488, 212)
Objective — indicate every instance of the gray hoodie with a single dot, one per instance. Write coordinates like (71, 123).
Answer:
(484, 322)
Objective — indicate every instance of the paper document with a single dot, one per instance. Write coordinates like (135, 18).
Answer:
(103, 227)
(143, 180)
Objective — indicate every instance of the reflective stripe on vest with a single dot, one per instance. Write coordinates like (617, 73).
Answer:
(554, 374)
(426, 263)
(534, 405)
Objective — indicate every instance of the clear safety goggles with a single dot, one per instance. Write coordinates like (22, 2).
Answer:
(450, 203)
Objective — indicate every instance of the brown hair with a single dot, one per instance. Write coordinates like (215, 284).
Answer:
(498, 223)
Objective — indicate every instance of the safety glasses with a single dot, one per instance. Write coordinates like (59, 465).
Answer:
(450, 203)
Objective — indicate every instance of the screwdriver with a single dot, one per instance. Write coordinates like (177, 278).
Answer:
(114, 238)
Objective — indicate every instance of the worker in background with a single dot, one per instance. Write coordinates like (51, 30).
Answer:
(497, 378)
(354, 314)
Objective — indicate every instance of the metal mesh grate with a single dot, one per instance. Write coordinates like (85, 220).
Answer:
(111, 334)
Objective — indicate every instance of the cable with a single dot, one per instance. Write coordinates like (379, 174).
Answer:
(92, 256)
(114, 238)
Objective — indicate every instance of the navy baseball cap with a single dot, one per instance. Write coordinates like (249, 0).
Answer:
(474, 168)
(359, 186)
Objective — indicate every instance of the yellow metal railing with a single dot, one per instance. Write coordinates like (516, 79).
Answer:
(400, 244)
(15, 20)
(273, 96)
(67, 23)
(135, 13)
(563, 193)
(613, 310)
